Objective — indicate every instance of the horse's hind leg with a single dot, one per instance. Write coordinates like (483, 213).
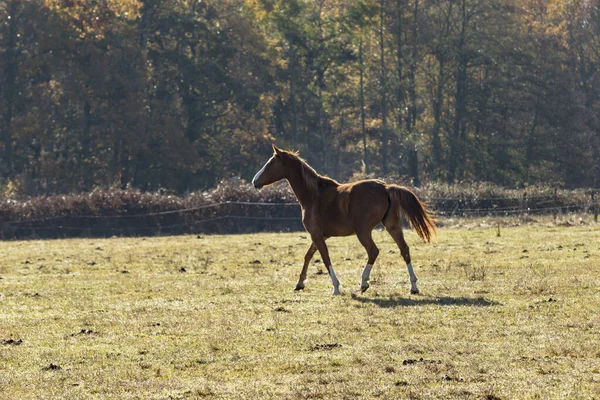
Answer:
(393, 225)
(309, 255)
(366, 240)
(319, 242)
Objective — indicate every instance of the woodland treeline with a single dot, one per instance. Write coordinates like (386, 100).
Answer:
(179, 94)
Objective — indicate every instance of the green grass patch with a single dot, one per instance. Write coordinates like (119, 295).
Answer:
(503, 316)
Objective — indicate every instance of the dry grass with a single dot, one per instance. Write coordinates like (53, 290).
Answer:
(499, 317)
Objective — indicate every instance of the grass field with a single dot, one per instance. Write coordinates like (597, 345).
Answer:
(501, 315)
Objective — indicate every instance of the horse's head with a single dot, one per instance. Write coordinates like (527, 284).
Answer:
(272, 171)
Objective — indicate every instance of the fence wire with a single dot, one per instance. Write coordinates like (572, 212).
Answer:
(243, 216)
(148, 214)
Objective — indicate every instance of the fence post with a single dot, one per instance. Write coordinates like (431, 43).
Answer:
(595, 206)
(524, 204)
(555, 203)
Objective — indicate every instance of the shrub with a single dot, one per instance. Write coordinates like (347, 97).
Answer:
(234, 206)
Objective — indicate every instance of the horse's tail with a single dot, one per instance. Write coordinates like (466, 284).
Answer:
(404, 199)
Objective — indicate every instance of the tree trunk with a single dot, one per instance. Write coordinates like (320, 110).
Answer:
(384, 128)
(126, 172)
(10, 84)
(437, 116)
(338, 146)
(400, 95)
(127, 154)
(530, 145)
(85, 147)
(459, 114)
(114, 172)
(292, 73)
(321, 128)
(460, 102)
(362, 107)
(413, 159)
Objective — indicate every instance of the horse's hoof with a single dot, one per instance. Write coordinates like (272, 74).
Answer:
(364, 287)
(299, 287)
(414, 291)
(336, 292)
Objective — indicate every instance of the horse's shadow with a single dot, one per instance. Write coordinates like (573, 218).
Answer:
(394, 301)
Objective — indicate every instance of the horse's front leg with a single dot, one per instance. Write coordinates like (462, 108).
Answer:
(319, 242)
(309, 255)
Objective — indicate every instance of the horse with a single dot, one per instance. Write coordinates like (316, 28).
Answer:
(332, 209)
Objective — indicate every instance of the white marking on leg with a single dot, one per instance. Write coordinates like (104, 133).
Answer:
(413, 279)
(259, 173)
(411, 272)
(334, 280)
(366, 275)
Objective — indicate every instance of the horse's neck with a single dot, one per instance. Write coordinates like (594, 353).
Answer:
(303, 193)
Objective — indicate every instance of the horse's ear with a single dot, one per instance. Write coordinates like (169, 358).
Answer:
(275, 149)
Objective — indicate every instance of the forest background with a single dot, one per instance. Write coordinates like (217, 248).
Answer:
(180, 94)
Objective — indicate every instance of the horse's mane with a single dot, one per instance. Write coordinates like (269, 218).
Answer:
(311, 178)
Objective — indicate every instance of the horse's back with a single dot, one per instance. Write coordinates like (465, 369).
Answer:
(367, 202)
(372, 185)
(365, 190)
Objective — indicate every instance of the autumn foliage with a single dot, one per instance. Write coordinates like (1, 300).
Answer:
(178, 95)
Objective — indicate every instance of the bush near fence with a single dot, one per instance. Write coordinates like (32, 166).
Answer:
(234, 206)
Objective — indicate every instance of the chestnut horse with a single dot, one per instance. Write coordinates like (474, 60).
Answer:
(332, 209)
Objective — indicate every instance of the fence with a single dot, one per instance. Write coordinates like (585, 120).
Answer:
(226, 217)
(506, 206)
(245, 217)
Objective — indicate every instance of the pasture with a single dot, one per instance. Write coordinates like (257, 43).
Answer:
(501, 315)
